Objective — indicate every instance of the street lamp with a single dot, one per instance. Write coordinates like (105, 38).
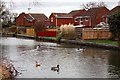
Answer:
(29, 10)
(56, 21)
(56, 24)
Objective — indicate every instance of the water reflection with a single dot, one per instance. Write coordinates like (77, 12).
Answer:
(114, 64)
(75, 61)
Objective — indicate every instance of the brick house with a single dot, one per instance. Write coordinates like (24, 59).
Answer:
(93, 16)
(24, 20)
(75, 14)
(27, 21)
(58, 19)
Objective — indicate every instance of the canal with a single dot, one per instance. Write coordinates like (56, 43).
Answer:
(75, 61)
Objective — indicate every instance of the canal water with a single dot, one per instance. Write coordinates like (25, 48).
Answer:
(75, 61)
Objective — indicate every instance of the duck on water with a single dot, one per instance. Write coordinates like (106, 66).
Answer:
(37, 64)
(80, 49)
(55, 68)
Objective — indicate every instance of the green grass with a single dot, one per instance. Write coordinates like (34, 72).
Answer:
(110, 42)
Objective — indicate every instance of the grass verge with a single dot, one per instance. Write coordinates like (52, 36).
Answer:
(107, 42)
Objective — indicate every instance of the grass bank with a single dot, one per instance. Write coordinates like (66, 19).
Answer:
(106, 42)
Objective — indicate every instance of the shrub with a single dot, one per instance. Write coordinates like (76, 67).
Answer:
(67, 32)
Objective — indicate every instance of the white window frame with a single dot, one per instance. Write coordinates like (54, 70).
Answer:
(76, 20)
(86, 19)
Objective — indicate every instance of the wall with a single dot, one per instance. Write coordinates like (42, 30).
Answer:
(89, 33)
(30, 32)
(20, 20)
(47, 34)
(62, 21)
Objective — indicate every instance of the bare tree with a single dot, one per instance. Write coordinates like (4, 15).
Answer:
(39, 26)
(34, 3)
(119, 3)
(7, 13)
(2, 7)
(4, 12)
(90, 5)
(101, 4)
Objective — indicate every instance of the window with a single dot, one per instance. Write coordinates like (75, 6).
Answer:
(47, 27)
(81, 23)
(29, 20)
(51, 19)
(76, 20)
(81, 19)
(86, 19)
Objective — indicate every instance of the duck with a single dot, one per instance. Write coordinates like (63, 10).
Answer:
(37, 64)
(80, 49)
(55, 68)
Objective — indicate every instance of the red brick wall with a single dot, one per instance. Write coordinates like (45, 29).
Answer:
(87, 22)
(20, 20)
(62, 21)
(102, 12)
(47, 34)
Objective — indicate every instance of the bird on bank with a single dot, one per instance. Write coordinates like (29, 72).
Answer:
(55, 68)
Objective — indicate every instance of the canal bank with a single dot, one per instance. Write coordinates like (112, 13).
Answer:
(52, 39)
(5, 73)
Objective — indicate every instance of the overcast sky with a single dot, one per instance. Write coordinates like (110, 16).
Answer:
(49, 6)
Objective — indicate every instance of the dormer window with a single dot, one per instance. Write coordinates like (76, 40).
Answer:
(29, 20)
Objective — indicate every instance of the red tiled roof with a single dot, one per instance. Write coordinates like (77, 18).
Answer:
(39, 17)
(62, 15)
(77, 12)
